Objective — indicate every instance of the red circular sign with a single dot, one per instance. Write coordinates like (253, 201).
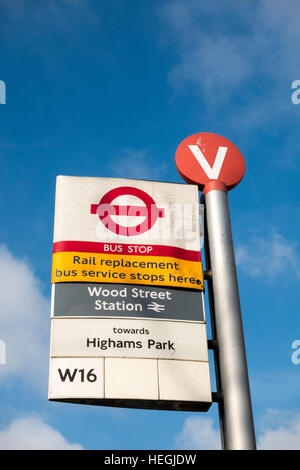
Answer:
(205, 157)
(105, 209)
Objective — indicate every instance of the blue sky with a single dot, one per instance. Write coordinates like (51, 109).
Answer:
(110, 88)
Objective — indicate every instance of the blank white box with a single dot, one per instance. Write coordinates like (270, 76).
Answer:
(76, 377)
(131, 378)
(184, 380)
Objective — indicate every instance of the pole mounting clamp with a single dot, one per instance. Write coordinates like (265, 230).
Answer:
(213, 344)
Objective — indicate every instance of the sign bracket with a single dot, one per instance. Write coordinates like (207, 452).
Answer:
(217, 397)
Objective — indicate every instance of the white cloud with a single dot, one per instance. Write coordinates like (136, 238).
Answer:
(32, 433)
(24, 321)
(281, 431)
(278, 430)
(198, 433)
(137, 164)
(268, 256)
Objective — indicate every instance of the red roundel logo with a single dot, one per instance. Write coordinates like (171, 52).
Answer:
(205, 157)
(149, 210)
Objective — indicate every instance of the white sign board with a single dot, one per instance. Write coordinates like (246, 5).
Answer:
(128, 323)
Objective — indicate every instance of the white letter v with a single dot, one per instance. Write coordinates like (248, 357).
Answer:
(214, 171)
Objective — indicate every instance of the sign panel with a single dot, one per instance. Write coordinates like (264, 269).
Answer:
(126, 232)
(109, 337)
(127, 312)
(129, 382)
(117, 300)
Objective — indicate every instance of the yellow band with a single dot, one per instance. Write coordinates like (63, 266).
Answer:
(126, 269)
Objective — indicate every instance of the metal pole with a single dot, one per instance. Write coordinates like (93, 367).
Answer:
(208, 278)
(238, 427)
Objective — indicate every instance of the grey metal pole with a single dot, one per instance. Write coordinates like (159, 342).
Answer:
(238, 426)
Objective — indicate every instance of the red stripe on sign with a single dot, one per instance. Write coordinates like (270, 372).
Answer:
(125, 249)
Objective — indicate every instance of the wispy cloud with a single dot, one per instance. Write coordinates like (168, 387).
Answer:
(206, 69)
(246, 53)
(137, 164)
(267, 256)
(230, 52)
(48, 29)
(56, 13)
